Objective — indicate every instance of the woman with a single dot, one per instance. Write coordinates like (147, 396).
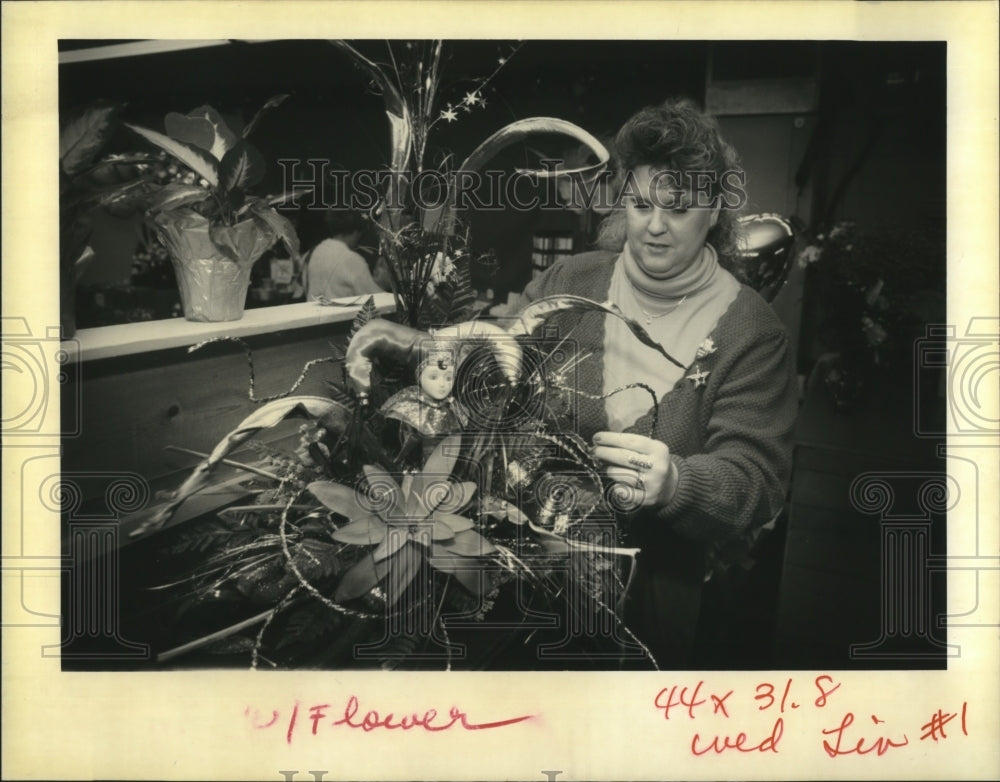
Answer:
(335, 269)
(714, 467)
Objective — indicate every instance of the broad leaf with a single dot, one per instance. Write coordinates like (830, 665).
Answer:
(400, 571)
(272, 103)
(396, 536)
(176, 195)
(469, 544)
(430, 494)
(332, 414)
(241, 168)
(461, 494)
(364, 532)
(83, 136)
(339, 498)
(384, 496)
(279, 224)
(455, 523)
(357, 581)
(190, 128)
(197, 131)
(197, 160)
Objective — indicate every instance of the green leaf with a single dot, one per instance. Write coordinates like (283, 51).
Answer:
(83, 136)
(192, 157)
(338, 498)
(279, 224)
(272, 103)
(241, 168)
(176, 195)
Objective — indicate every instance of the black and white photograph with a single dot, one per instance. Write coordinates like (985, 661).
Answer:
(511, 357)
(624, 315)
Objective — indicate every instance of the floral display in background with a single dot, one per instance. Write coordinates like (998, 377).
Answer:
(874, 293)
(421, 231)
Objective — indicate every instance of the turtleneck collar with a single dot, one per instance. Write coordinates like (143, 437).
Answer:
(688, 282)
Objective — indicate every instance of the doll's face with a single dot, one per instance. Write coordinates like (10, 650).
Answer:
(436, 381)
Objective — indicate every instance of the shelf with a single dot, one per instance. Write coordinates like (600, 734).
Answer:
(132, 338)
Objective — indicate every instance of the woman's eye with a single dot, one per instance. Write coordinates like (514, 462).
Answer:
(640, 205)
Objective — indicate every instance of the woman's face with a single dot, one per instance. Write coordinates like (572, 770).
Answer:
(665, 232)
(436, 382)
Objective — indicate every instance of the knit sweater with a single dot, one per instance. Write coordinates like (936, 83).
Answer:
(728, 424)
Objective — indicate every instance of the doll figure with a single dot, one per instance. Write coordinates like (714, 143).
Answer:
(428, 411)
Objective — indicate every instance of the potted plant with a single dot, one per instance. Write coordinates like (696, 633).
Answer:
(214, 229)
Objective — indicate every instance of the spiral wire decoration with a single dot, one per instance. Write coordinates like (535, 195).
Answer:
(251, 393)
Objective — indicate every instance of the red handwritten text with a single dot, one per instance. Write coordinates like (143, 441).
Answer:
(879, 746)
(721, 743)
(353, 717)
(667, 698)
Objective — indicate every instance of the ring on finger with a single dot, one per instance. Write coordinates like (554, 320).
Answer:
(640, 464)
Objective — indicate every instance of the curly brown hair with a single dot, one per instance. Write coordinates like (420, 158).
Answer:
(676, 136)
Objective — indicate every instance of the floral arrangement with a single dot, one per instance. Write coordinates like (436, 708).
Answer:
(355, 540)
(346, 537)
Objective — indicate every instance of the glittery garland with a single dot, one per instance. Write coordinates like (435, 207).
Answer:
(250, 394)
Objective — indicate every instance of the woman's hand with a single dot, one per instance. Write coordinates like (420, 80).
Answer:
(641, 464)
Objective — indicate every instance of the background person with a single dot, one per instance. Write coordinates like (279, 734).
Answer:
(334, 269)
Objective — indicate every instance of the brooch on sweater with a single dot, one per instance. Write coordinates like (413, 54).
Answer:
(698, 376)
(706, 348)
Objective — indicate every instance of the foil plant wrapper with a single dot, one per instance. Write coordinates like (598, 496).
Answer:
(213, 287)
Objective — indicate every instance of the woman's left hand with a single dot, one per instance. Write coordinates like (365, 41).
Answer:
(640, 463)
